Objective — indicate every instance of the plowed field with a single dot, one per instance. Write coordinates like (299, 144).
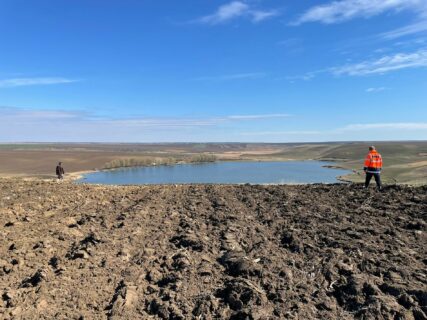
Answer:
(212, 252)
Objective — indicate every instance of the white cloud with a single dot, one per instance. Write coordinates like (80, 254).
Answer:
(339, 11)
(352, 132)
(235, 76)
(19, 124)
(258, 16)
(259, 116)
(384, 64)
(236, 9)
(226, 12)
(306, 77)
(159, 122)
(393, 126)
(351, 128)
(18, 115)
(406, 30)
(377, 89)
(192, 122)
(281, 133)
(20, 82)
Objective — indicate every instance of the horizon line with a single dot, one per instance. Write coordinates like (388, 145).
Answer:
(205, 142)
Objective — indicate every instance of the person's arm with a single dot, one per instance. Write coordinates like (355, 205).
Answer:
(367, 162)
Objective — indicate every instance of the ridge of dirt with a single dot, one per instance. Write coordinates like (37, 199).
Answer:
(211, 252)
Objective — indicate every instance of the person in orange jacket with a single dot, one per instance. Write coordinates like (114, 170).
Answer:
(373, 166)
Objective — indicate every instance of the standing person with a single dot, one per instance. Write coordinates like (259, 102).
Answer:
(60, 171)
(373, 166)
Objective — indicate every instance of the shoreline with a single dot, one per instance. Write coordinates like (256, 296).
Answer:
(74, 176)
(77, 175)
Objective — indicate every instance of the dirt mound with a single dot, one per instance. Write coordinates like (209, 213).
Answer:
(212, 252)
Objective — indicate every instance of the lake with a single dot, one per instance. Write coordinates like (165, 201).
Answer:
(223, 172)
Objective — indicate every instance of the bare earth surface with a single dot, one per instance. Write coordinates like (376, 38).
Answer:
(211, 252)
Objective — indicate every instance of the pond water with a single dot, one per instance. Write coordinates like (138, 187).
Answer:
(223, 172)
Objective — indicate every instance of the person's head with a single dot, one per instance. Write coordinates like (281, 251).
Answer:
(371, 148)
(59, 163)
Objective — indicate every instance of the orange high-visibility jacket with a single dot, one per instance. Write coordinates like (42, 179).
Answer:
(373, 161)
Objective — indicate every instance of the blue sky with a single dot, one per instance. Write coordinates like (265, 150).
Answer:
(213, 71)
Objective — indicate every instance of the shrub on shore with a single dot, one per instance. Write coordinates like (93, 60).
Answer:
(200, 158)
(146, 162)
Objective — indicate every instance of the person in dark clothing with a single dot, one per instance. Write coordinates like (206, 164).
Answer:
(60, 171)
(372, 167)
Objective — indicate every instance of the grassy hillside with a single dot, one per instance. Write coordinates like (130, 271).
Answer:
(404, 162)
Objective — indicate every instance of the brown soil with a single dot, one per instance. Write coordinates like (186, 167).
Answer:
(41, 160)
(211, 252)
(42, 163)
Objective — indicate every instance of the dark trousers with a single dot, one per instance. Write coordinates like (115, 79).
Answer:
(369, 177)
